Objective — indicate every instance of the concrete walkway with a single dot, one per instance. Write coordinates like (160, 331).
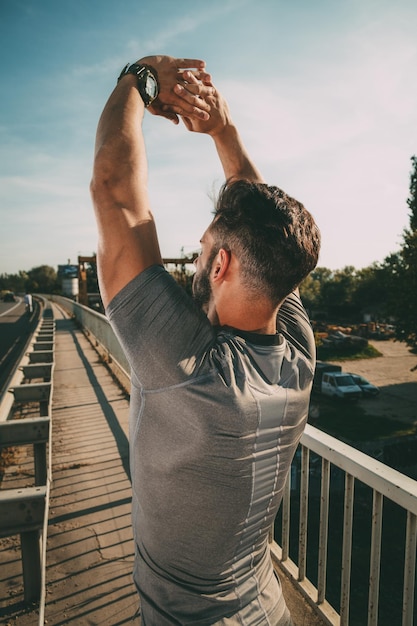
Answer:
(90, 546)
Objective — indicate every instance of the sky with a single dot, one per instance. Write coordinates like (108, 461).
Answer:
(324, 95)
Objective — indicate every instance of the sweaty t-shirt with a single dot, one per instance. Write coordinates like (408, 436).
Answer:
(215, 418)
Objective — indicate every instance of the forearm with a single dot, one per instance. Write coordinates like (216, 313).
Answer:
(128, 241)
(234, 156)
(120, 158)
(232, 153)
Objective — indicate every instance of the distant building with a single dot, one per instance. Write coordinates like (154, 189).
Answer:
(68, 274)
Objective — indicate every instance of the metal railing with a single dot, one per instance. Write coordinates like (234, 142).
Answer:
(98, 330)
(24, 510)
(323, 467)
(352, 470)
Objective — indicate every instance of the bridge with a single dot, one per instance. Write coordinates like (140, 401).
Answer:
(344, 543)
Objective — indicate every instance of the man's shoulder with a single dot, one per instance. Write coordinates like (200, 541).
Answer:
(294, 324)
(146, 280)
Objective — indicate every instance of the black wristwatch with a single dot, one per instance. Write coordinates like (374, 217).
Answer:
(148, 85)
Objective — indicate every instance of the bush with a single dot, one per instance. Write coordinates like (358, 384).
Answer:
(346, 352)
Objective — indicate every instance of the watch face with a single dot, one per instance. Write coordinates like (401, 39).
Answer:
(151, 86)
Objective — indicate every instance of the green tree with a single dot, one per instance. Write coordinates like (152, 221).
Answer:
(402, 294)
(338, 295)
(14, 282)
(370, 292)
(412, 199)
(311, 289)
(42, 279)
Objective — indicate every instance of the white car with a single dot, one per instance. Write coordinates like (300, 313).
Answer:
(340, 385)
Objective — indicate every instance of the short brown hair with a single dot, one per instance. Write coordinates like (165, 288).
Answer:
(274, 237)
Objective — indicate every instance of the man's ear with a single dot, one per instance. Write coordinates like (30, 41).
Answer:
(221, 264)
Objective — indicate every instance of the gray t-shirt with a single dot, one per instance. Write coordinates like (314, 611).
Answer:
(216, 415)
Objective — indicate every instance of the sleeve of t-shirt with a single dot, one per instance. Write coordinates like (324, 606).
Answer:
(164, 335)
(294, 324)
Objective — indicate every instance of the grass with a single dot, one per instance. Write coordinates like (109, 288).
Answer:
(349, 421)
(349, 353)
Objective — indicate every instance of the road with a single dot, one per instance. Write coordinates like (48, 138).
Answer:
(15, 327)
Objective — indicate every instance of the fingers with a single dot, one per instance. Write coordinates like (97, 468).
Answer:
(187, 109)
(191, 105)
(191, 97)
(198, 64)
(205, 78)
(198, 83)
(185, 88)
(194, 94)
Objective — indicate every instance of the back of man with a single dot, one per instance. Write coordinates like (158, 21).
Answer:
(216, 415)
(219, 397)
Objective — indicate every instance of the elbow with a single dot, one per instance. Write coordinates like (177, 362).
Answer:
(105, 182)
(97, 189)
(98, 179)
(95, 186)
(102, 192)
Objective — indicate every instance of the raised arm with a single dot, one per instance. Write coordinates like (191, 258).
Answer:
(232, 153)
(128, 242)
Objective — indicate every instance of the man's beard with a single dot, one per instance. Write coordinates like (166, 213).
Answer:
(202, 289)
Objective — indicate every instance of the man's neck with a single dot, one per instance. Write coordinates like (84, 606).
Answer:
(247, 318)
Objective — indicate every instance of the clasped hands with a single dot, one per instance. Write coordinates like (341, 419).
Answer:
(186, 91)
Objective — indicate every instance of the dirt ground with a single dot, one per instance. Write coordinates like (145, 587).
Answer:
(395, 373)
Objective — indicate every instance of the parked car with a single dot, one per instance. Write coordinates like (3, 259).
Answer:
(340, 385)
(9, 297)
(340, 339)
(368, 389)
(329, 380)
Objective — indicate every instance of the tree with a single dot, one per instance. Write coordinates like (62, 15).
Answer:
(312, 287)
(412, 200)
(403, 285)
(337, 295)
(42, 279)
(14, 282)
(370, 292)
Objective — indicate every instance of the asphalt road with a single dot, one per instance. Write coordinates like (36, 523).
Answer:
(15, 328)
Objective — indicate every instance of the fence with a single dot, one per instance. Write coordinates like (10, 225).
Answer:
(24, 511)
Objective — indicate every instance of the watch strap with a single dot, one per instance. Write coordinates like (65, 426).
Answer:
(141, 71)
(132, 68)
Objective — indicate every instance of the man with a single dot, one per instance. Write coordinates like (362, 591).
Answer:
(219, 397)
(28, 303)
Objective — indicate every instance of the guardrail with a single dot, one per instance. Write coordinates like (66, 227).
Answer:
(352, 468)
(24, 511)
(99, 332)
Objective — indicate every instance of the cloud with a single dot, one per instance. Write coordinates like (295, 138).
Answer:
(188, 21)
(327, 110)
